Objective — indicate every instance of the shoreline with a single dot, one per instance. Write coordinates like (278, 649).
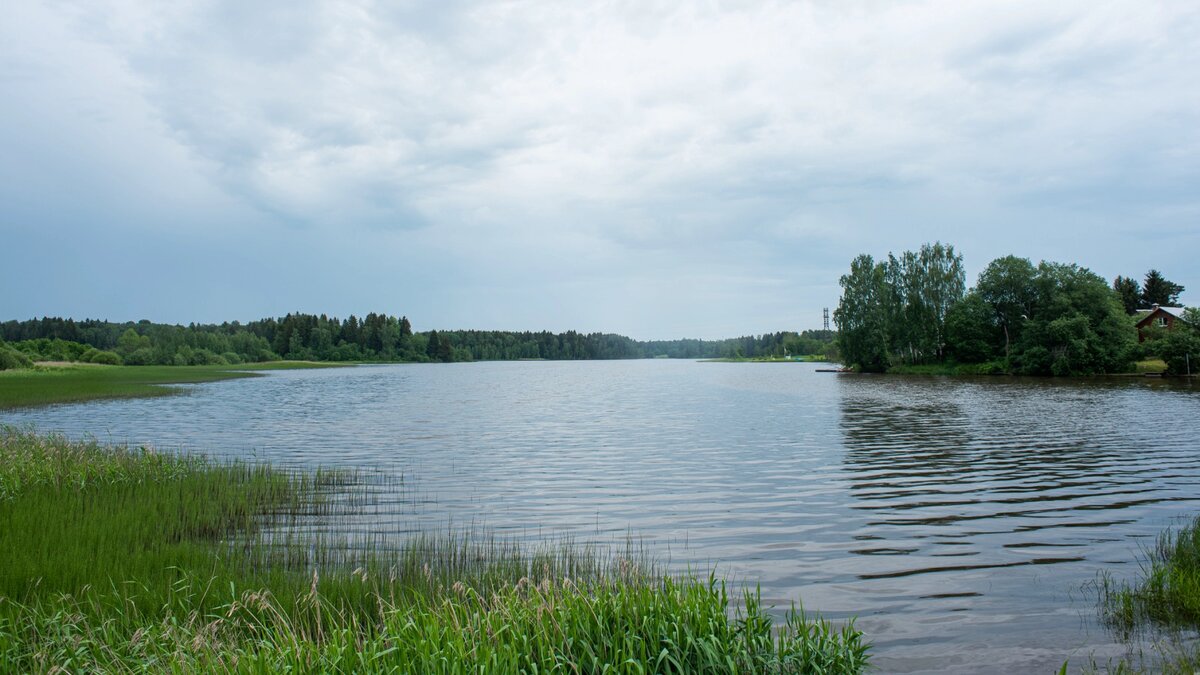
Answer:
(221, 574)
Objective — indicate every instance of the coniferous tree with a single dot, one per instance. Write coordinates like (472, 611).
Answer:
(1129, 292)
(1158, 291)
(431, 347)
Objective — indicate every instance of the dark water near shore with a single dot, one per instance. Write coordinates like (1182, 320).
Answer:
(960, 520)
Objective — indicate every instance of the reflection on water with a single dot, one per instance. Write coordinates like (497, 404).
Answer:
(993, 500)
(958, 519)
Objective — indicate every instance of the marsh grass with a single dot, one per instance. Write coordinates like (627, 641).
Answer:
(1168, 593)
(44, 385)
(67, 384)
(1162, 605)
(126, 559)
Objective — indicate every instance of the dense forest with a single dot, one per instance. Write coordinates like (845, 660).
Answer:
(376, 337)
(1044, 319)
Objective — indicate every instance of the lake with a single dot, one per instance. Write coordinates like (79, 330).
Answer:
(959, 519)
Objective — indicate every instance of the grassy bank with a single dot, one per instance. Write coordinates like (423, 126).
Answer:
(950, 369)
(1152, 366)
(116, 559)
(84, 382)
(1164, 601)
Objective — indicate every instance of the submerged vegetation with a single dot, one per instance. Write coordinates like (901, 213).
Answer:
(124, 559)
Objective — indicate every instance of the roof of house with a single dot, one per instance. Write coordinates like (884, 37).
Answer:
(1176, 312)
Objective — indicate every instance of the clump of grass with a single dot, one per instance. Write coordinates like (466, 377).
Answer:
(1164, 603)
(120, 559)
(1168, 593)
(1150, 366)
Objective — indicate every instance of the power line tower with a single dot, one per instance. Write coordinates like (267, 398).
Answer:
(826, 318)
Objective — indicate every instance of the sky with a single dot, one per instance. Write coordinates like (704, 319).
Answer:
(659, 170)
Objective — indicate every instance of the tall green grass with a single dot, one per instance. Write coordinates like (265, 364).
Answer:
(125, 559)
(1168, 592)
(1163, 603)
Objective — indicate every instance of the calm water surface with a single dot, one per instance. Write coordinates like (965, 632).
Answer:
(959, 520)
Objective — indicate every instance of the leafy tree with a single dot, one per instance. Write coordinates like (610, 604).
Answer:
(130, 341)
(11, 359)
(141, 357)
(1158, 291)
(921, 288)
(862, 315)
(972, 332)
(1129, 292)
(1075, 325)
(1180, 349)
(1007, 286)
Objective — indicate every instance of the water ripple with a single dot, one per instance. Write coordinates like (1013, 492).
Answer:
(957, 519)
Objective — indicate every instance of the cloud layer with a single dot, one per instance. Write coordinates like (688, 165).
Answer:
(633, 167)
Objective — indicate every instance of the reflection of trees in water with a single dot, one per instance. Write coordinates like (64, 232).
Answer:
(955, 478)
(938, 452)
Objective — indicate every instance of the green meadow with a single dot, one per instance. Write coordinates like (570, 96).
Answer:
(45, 384)
(117, 559)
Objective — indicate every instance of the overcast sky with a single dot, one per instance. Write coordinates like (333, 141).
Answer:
(627, 167)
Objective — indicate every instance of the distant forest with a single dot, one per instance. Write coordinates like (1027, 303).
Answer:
(375, 337)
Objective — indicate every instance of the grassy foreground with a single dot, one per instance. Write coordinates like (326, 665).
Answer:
(117, 560)
(72, 383)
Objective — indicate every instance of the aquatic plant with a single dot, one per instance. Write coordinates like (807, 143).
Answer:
(1168, 592)
(1163, 603)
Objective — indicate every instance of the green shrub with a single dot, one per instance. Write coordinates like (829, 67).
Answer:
(204, 357)
(1180, 348)
(232, 358)
(144, 356)
(11, 359)
(43, 349)
(106, 358)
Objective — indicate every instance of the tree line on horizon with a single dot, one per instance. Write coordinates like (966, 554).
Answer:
(1046, 319)
(375, 337)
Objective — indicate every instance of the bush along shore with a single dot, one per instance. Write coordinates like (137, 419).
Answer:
(116, 559)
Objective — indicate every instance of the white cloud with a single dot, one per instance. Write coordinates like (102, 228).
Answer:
(601, 145)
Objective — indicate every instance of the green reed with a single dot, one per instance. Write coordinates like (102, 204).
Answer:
(1162, 604)
(124, 559)
(1168, 592)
